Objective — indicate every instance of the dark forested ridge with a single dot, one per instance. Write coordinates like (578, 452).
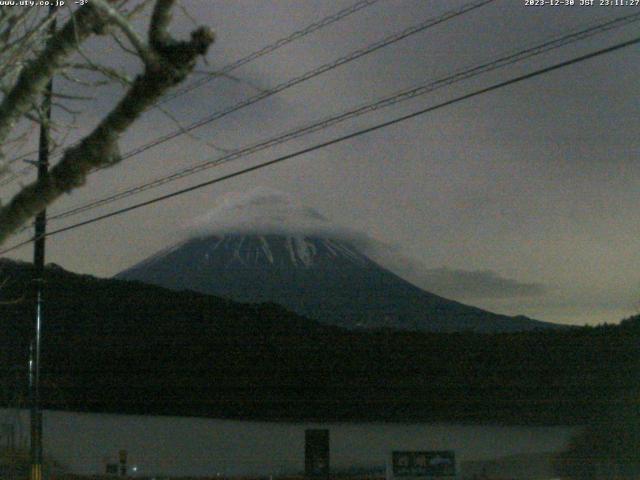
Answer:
(116, 346)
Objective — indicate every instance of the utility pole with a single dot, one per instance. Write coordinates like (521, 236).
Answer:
(38, 263)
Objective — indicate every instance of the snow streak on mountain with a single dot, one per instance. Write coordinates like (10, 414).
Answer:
(265, 248)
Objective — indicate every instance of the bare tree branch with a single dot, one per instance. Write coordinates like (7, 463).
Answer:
(145, 53)
(160, 19)
(35, 76)
(174, 60)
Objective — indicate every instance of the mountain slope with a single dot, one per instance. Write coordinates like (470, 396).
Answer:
(322, 278)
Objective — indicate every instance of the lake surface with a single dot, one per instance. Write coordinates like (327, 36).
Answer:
(84, 443)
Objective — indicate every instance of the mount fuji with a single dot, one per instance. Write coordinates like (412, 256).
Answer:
(267, 248)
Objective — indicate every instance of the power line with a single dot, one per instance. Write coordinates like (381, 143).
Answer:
(343, 138)
(270, 48)
(367, 108)
(313, 27)
(354, 55)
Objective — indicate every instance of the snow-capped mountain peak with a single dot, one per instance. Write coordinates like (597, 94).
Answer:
(266, 248)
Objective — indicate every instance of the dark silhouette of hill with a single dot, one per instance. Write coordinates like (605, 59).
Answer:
(118, 346)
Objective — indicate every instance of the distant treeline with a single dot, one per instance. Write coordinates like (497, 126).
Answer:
(114, 346)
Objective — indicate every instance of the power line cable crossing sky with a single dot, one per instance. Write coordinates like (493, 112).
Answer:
(297, 35)
(382, 103)
(354, 55)
(336, 140)
(535, 182)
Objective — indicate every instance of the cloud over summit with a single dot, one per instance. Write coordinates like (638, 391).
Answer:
(267, 211)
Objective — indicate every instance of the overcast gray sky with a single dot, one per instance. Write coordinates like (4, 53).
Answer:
(522, 201)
